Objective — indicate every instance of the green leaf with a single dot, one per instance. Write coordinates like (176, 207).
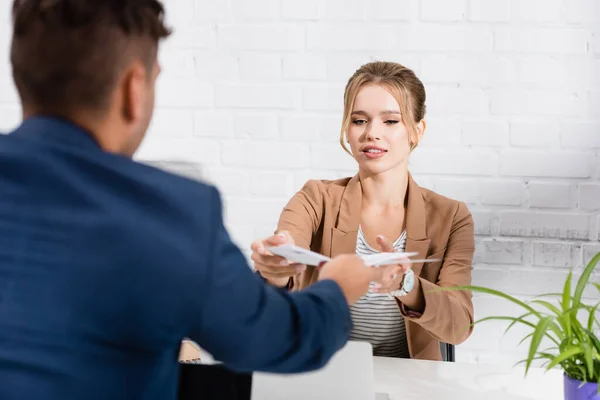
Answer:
(538, 334)
(595, 341)
(522, 317)
(549, 306)
(583, 280)
(573, 351)
(566, 302)
(525, 338)
(597, 285)
(589, 359)
(591, 317)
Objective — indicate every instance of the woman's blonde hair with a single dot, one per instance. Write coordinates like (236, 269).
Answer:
(403, 85)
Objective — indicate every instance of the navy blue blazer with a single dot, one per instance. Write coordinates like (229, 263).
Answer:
(107, 264)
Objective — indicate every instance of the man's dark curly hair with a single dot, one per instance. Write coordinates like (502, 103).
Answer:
(68, 55)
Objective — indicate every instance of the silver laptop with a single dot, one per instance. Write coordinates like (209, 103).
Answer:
(348, 376)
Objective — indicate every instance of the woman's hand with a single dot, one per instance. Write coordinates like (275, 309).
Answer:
(275, 269)
(393, 276)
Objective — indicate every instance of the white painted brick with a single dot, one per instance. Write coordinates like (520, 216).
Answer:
(545, 225)
(170, 123)
(304, 175)
(178, 13)
(549, 195)
(483, 221)
(231, 182)
(485, 132)
(210, 10)
(254, 211)
(445, 39)
(489, 10)
(538, 102)
(331, 157)
(255, 10)
(329, 128)
(594, 102)
(466, 191)
(588, 251)
(212, 66)
(256, 126)
(10, 118)
(213, 124)
(302, 10)
(323, 98)
(521, 281)
(541, 40)
(184, 93)
(241, 235)
(298, 128)
(537, 11)
(8, 93)
(263, 154)
(500, 251)
(391, 10)
(503, 193)
(544, 70)
(275, 96)
(538, 134)
(176, 63)
(457, 100)
(552, 254)
(442, 132)
(341, 37)
(197, 150)
(5, 14)
(304, 67)
(346, 10)
(272, 184)
(448, 10)
(547, 164)
(589, 196)
(193, 37)
(340, 67)
(258, 66)
(582, 11)
(454, 162)
(580, 135)
(464, 68)
(261, 37)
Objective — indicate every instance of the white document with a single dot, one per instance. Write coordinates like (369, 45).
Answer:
(300, 255)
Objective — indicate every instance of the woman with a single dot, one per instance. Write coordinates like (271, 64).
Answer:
(383, 207)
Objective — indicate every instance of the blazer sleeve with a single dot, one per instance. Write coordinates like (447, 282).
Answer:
(448, 315)
(249, 325)
(301, 217)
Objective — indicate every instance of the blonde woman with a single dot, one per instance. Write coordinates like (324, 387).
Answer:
(383, 209)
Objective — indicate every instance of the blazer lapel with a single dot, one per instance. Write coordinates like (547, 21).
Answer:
(343, 235)
(416, 227)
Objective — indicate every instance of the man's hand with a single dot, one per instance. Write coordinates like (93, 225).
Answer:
(275, 269)
(351, 274)
(392, 275)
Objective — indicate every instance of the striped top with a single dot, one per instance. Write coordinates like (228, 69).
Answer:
(376, 317)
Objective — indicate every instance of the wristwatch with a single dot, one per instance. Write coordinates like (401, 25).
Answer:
(408, 283)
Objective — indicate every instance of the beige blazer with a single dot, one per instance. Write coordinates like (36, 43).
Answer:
(324, 216)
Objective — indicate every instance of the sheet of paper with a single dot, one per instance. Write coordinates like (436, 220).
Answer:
(303, 256)
(298, 254)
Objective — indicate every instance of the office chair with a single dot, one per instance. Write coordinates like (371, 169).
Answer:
(447, 352)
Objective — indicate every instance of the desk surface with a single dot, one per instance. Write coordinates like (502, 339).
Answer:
(404, 379)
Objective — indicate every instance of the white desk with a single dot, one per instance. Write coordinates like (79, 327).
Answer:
(404, 379)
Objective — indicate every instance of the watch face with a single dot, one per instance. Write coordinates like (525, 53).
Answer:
(409, 281)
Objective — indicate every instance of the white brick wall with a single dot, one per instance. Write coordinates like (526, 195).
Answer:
(252, 91)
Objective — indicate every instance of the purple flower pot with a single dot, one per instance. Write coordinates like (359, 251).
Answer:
(573, 391)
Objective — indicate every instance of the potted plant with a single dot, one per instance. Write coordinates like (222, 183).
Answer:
(569, 324)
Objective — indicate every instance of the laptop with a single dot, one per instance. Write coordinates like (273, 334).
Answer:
(347, 376)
